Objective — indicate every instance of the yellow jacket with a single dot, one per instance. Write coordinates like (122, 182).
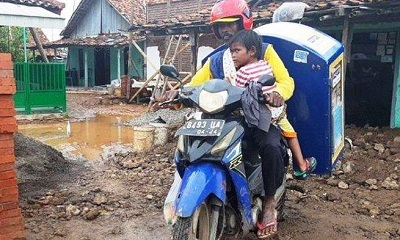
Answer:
(284, 83)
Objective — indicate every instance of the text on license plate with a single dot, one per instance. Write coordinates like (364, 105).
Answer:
(203, 127)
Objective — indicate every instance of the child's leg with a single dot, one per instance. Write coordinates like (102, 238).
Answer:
(294, 146)
(293, 142)
(306, 166)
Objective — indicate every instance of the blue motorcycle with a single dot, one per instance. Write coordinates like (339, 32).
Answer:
(218, 183)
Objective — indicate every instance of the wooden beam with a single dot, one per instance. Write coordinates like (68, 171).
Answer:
(144, 85)
(130, 51)
(193, 46)
(143, 54)
(347, 38)
(38, 45)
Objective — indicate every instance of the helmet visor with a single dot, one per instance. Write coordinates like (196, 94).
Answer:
(226, 20)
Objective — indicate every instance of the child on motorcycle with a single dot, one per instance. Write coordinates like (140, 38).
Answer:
(245, 47)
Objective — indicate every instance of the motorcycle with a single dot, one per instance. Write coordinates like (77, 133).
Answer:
(218, 183)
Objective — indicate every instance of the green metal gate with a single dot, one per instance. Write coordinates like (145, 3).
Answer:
(40, 86)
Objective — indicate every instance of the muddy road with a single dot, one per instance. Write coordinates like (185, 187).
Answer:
(120, 194)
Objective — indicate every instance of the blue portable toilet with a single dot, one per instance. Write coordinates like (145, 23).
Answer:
(316, 109)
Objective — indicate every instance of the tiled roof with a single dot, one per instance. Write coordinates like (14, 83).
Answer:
(43, 39)
(132, 10)
(262, 13)
(51, 5)
(110, 40)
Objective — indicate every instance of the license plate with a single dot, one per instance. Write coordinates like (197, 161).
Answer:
(202, 127)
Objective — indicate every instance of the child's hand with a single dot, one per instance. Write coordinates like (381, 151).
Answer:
(274, 99)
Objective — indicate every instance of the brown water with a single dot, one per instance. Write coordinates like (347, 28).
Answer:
(87, 138)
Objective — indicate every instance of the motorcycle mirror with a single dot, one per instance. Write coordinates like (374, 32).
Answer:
(266, 80)
(169, 71)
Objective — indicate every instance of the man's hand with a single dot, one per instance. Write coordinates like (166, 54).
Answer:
(274, 99)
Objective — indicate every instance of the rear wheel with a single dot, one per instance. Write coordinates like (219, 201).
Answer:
(200, 226)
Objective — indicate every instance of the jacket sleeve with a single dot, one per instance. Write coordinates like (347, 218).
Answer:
(284, 83)
(201, 76)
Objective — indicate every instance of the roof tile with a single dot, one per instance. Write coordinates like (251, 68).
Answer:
(51, 5)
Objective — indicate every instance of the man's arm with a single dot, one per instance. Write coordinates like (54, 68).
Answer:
(284, 83)
(201, 76)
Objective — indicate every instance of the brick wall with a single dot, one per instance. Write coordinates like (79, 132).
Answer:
(160, 11)
(11, 221)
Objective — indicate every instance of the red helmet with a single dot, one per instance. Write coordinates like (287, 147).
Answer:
(231, 11)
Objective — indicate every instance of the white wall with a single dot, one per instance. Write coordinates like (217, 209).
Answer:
(153, 56)
(70, 6)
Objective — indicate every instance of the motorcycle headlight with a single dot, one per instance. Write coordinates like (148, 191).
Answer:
(212, 102)
(223, 144)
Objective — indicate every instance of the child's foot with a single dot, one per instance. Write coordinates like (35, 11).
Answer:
(311, 165)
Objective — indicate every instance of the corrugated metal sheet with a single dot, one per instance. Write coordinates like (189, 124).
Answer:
(130, 10)
(100, 18)
(51, 5)
(29, 16)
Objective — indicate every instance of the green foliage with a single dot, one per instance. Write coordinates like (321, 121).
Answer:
(12, 41)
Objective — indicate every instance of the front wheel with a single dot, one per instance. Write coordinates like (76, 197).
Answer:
(200, 226)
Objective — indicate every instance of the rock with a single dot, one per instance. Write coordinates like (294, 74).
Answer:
(379, 147)
(332, 182)
(374, 211)
(129, 164)
(373, 187)
(371, 153)
(390, 184)
(91, 214)
(394, 150)
(149, 197)
(396, 141)
(343, 185)
(333, 197)
(99, 199)
(348, 167)
(72, 210)
(43, 202)
(360, 142)
(371, 181)
(60, 232)
(393, 157)
(116, 230)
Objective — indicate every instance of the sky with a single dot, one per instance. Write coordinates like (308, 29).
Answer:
(70, 6)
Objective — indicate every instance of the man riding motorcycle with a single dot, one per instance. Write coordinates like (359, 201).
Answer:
(228, 17)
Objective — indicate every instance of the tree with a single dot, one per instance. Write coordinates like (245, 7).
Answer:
(11, 41)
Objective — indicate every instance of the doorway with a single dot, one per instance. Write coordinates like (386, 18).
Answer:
(369, 80)
(102, 66)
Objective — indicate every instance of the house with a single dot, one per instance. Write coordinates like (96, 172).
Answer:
(53, 55)
(97, 40)
(369, 29)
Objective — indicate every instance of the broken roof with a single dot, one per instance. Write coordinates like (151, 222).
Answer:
(131, 10)
(102, 40)
(263, 10)
(50, 5)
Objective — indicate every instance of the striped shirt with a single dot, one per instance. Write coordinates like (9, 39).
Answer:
(252, 72)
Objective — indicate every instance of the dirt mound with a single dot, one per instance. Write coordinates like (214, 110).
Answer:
(39, 166)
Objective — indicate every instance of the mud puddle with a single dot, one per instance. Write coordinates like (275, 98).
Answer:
(87, 139)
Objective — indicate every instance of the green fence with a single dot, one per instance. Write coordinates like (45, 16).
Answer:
(40, 86)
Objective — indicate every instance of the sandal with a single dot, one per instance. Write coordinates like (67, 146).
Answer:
(311, 165)
(273, 225)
